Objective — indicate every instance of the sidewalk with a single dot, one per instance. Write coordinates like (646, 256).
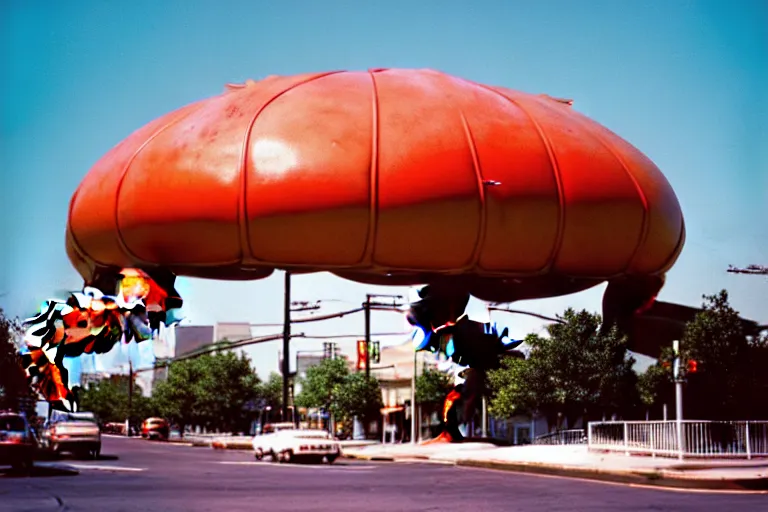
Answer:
(577, 461)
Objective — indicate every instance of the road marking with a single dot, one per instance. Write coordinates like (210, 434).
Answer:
(301, 466)
(105, 468)
(407, 460)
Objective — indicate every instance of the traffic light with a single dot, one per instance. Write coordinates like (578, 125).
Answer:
(331, 350)
(361, 355)
(693, 366)
(375, 352)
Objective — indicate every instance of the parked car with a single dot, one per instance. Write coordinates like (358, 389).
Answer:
(75, 433)
(297, 445)
(17, 441)
(271, 428)
(155, 428)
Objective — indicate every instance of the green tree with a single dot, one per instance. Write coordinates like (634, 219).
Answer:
(729, 382)
(270, 392)
(357, 395)
(15, 391)
(321, 383)
(111, 401)
(574, 372)
(654, 385)
(176, 396)
(211, 390)
(432, 386)
(512, 390)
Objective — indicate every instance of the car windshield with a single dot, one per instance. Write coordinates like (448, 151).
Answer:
(11, 424)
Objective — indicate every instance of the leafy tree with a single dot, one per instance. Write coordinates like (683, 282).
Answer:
(575, 372)
(319, 387)
(432, 386)
(111, 401)
(513, 393)
(729, 382)
(210, 390)
(228, 382)
(270, 393)
(357, 395)
(176, 396)
(15, 391)
(655, 385)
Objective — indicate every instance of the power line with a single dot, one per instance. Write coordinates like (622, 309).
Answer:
(756, 270)
(520, 312)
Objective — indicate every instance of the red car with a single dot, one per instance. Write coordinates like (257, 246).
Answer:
(155, 428)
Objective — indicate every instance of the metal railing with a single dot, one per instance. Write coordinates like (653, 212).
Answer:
(574, 436)
(695, 439)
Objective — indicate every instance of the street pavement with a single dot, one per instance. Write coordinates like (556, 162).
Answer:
(135, 475)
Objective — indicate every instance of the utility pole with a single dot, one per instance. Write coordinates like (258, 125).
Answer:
(286, 363)
(367, 336)
(286, 341)
(414, 409)
(130, 396)
(367, 305)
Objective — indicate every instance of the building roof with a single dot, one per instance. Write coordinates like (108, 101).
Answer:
(664, 322)
(232, 331)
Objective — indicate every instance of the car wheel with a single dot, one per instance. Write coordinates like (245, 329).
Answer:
(331, 458)
(287, 456)
(258, 453)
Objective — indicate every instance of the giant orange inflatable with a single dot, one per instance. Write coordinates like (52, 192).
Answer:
(388, 176)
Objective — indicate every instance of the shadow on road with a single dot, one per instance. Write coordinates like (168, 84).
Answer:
(38, 472)
(69, 456)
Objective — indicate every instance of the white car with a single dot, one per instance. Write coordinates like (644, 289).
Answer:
(297, 444)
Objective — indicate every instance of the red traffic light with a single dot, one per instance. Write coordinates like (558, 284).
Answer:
(693, 366)
(361, 354)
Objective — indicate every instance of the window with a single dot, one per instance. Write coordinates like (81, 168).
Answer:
(12, 424)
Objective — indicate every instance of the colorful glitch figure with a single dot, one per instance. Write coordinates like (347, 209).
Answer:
(473, 347)
(91, 322)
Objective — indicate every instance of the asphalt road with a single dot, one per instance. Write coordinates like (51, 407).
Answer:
(138, 475)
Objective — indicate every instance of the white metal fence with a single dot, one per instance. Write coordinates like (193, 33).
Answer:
(693, 439)
(574, 436)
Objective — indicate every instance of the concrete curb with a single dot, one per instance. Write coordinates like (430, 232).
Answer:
(650, 477)
(641, 477)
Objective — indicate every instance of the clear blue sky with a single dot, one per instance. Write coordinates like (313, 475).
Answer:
(683, 81)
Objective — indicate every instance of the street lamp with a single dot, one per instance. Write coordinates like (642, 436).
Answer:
(678, 397)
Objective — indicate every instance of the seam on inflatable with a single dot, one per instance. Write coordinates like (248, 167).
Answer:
(556, 173)
(75, 243)
(480, 239)
(644, 226)
(242, 211)
(127, 168)
(373, 186)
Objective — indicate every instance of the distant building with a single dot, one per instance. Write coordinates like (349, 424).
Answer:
(91, 378)
(664, 322)
(189, 338)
